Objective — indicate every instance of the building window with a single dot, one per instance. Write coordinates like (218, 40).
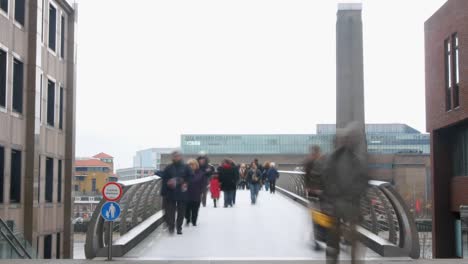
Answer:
(59, 182)
(50, 103)
(61, 108)
(15, 182)
(18, 75)
(77, 188)
(93, 187)
(49, 180)
(3, 78)
(448, 76)
(19, 11)
(57, 249)
(2, 171)
(456, 71)
(39, 181)
(62, 37)
(48, 247)
(52, 27)
(4, 5)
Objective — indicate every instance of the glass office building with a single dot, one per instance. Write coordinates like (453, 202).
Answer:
(381, 138)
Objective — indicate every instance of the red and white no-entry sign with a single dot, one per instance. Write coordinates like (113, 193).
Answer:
(112, 191)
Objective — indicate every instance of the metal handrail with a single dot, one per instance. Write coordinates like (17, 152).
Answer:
(15, 240)
(386, 216)
(140, 200)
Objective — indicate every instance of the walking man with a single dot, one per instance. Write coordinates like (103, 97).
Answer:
(174, 188)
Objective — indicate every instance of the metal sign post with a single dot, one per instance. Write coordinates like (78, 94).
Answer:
(109, 243)
(110, 211)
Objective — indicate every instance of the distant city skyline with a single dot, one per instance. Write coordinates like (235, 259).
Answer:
(242, 67)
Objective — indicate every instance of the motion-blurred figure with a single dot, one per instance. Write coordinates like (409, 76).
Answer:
(254, 177)
(207, 170)
(272, 176)
(228, 175)
(174, 188)
(313, 169)
(345, 181)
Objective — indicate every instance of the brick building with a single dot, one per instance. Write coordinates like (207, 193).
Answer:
(446, 47)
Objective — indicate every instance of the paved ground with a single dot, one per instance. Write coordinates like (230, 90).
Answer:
(226, 262)
(276, 228)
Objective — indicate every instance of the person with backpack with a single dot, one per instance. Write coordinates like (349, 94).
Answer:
(345, 182)
(254, 178)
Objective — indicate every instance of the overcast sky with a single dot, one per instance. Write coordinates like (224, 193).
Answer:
(150, 70)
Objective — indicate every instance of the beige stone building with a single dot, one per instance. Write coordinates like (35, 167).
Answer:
(37, 121)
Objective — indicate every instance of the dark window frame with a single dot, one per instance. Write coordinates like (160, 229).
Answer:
(52, 39)
(455, 70)
(16, 172)
(51, 102)
(49, 180)
(61, 94)
(3, 77)
(20, 12)
(448, 74)
(2, 172)
(57, 246)
(47, 252)
(62, 36)
(59, 181)
(18, 86)
(4, 5)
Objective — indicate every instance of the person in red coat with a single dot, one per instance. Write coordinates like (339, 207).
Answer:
(215, 188)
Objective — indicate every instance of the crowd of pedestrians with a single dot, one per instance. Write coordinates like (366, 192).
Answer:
(185, 186)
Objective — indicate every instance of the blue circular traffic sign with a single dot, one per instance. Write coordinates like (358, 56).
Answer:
(110, 211)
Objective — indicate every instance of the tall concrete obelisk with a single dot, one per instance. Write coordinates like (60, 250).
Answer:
(349, 66)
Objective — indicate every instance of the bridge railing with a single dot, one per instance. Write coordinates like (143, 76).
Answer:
(387, 225)
(141, 213)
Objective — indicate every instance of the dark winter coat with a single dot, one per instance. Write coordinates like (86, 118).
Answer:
(272, 174)
(228, 177)
(251, 174)
(179, 173)
(345, 181)
(196, 186)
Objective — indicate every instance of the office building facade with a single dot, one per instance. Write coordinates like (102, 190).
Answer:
(381, 138)
(150, 157)
(37, 121)
(446, 53)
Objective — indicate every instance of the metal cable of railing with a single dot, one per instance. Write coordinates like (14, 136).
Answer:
(139, 202)
(388, 226)
(13, 241)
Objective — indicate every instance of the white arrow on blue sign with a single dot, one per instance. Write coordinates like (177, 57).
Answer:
(110, 211)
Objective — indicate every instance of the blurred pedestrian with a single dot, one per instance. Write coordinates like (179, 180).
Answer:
(243, 176)
(265, 180)
(227, 177)
(272, 175)
(345, 181)
(237, 179)
(196, 186)
(313, 168)
(254, 178)
(215, 188)
(207, 170)
(175, 178)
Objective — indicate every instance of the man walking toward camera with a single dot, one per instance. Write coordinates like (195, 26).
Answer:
(174, 187)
